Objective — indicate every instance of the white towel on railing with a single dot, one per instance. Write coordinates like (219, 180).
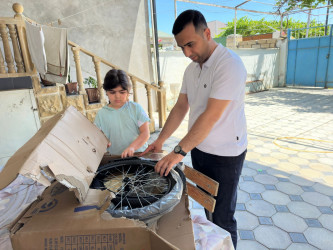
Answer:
(35, 37)
(56, 50)
(49, 51)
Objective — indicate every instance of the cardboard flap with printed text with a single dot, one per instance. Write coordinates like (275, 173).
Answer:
(68, 147)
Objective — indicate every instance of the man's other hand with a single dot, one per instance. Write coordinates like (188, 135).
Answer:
(164, 165)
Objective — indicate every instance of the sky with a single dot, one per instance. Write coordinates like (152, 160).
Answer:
(166, 13)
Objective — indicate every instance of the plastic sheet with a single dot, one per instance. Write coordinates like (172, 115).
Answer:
(209, 236)
(152, 212)
(13, 200)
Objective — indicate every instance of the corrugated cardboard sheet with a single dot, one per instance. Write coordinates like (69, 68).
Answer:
(68, 147)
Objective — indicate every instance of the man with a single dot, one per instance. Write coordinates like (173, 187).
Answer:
(213, 89)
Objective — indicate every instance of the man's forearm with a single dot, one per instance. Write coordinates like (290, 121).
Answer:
(175, 118)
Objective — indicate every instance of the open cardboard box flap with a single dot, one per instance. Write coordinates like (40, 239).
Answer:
(57, 221)
(68, 147)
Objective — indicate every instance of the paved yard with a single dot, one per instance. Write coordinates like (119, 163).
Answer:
(285, 196)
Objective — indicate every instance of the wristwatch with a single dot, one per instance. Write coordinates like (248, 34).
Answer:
(178, 150)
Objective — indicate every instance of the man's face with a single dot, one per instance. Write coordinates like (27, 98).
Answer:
(194, 45)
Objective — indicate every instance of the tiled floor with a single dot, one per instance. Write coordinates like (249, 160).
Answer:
(285, 196)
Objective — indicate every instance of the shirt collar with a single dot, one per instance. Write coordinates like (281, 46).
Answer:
(212, 57)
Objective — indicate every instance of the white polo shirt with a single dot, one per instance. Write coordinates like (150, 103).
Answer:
(222, 77)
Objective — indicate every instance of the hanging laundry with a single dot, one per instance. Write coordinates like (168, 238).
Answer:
(35, 37)
(49, 51)
(56, 50)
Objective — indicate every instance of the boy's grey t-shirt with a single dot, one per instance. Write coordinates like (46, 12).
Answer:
(122, 125)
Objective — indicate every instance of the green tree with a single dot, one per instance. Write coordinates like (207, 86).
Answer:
(245, 26)
(301, 4)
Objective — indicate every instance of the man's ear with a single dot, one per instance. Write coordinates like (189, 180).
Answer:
(207, 34)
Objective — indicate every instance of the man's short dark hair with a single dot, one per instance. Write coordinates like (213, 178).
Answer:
(189, 16)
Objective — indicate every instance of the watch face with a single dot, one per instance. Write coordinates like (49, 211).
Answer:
(177, 149)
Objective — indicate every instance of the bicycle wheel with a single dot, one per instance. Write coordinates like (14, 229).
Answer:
(140, 193)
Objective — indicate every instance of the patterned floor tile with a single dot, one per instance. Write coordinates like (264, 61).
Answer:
(240, 207)
(246, 235)
(325, 210)
(246, 220)
(297, 238)
(266, 179)
(251, 187)
(265, 220)
(316, 199)
(303, 209)
(301, 246)
(255, 196)
(289, 222)
(250, 244)
(272, 237)
(242, 196)
(270, 187)
(313, 223)
(295, 197)
(248, 178)
(319, 237)
(282, 208)
(260, 208)
(327, 221)
(276, 197)
(289, 188)
(307, 189)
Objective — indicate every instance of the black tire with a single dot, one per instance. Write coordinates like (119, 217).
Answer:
(142, 207)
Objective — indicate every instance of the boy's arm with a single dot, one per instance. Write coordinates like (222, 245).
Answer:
(138, 142)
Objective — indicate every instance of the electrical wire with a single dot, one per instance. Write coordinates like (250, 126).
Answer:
(300, 150)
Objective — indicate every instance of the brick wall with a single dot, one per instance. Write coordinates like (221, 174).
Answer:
(258, 37)
(258, 44)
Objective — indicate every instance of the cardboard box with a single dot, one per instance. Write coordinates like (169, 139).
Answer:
(69, 149)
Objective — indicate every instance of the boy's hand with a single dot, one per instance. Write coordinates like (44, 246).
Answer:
(128, 152)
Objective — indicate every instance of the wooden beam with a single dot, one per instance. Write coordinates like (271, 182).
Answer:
(202, 180)
(201, 197)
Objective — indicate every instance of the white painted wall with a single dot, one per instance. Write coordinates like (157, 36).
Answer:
(261, 64)
(266, 64)
(18, 121)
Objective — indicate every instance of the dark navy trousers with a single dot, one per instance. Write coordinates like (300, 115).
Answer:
(226, 171)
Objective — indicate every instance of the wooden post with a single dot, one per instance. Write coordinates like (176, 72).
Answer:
(76, 53)
(134, 87)
(6, 47)
(97, 62)
(17, 53)
(2, 64)
(18, 8)
(161, 104)
(150, 109)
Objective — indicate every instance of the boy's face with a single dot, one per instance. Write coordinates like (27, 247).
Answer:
(117, 97)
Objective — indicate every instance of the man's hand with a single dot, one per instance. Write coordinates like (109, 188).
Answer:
(155, 147)
(164, 165)
(128, 152)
